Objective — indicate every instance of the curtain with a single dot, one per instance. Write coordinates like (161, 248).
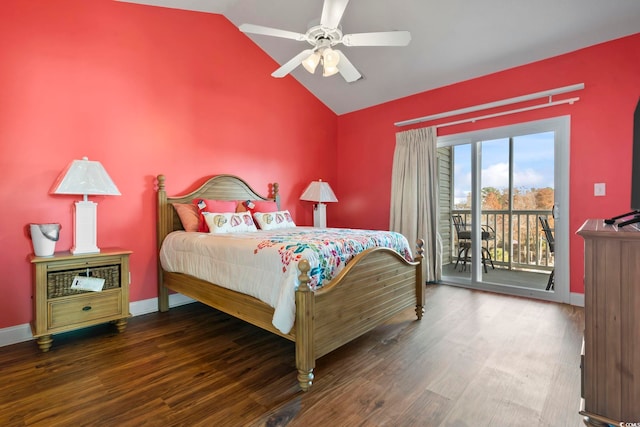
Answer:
(414, 195)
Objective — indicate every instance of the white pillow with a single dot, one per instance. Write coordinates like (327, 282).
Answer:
(274, 220)
(229, 222)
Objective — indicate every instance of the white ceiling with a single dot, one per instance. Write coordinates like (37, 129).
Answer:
(452, 40)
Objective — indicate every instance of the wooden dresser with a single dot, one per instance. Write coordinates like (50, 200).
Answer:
(57, 307)
(611, 350)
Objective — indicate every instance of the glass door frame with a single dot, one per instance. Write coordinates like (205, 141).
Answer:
(561, 128)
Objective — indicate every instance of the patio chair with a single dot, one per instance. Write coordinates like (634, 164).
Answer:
(548, 235)
(463, 231)
(464, 240)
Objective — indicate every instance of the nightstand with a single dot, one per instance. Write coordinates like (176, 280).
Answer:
(59, 308)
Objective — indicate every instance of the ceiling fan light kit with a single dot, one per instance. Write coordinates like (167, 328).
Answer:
(329, 71)
(330, 58)
(312, 62)
(325, 55)
(323, 37)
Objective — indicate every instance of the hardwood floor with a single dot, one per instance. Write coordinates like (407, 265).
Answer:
(475, 359)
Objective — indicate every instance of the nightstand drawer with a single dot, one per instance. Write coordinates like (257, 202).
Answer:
(78, 309)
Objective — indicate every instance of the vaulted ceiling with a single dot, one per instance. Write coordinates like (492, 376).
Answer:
(452, 40)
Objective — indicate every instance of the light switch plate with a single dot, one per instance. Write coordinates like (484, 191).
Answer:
(599, 189)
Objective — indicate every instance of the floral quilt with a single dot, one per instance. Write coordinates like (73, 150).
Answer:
(332, 248)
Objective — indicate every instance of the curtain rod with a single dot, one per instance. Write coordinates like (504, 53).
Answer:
(509, 101)
(504, 113)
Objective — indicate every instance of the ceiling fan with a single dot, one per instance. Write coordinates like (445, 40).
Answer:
(323, 37)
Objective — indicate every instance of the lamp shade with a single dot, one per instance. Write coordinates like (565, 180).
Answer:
(85, 177)
(319, 191)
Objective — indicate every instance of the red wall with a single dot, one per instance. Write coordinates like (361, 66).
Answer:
(145, 91)
(150, 90)
(601, 134)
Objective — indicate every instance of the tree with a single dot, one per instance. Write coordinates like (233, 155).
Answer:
(493, 199)
(544, 198)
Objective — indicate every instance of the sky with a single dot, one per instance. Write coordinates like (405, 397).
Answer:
(533, 164)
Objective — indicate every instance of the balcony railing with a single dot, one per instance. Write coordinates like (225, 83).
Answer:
(517, 241)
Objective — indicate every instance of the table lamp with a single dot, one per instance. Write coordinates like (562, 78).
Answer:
(319, 192)
(86, 178)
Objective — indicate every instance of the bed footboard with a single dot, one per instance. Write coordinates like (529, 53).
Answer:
(374, 287)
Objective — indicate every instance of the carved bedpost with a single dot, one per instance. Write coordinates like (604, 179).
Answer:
(305, 309)
(420, 291)
(162, 229)
(276, 193)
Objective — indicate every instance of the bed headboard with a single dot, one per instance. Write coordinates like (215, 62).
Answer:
(219, 187)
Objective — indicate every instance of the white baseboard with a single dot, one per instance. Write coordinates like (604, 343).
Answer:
(21, 333)
(138, 308)
(15, 334)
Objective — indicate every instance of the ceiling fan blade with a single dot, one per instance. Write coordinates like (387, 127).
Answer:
(388, 38)
(332, 12)
(292, 64)
(346, 68)
(266, 31)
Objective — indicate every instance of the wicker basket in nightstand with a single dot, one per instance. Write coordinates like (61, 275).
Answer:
(59, 308)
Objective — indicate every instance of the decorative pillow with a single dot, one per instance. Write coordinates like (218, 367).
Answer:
(189, 216)
(274, 220)
(204, 205)
(229, 222)
(265, 206)
(254, 206)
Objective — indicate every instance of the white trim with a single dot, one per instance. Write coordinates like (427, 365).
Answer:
(176, 300)
(501, 103)
(576, 299)
(138, 308)
(21, 333)
(15, 334)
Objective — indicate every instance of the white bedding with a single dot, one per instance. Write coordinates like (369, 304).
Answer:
(263, 264)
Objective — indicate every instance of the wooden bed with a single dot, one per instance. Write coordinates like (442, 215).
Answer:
(376, 285)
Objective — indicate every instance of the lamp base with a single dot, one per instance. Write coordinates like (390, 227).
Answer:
(320, 215)
(82, 251)
(84, 228)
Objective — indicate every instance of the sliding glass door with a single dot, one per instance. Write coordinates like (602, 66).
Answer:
(500, 187)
